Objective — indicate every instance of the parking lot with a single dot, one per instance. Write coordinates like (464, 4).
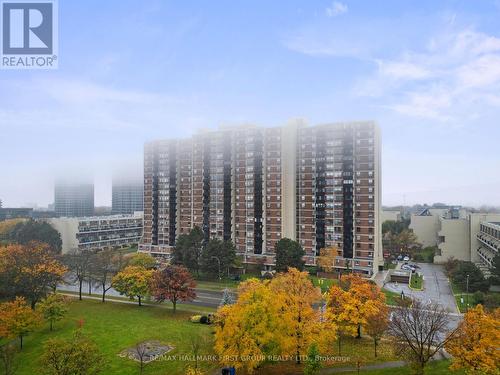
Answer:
(436, 287)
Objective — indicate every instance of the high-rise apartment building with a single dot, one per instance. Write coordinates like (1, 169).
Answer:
(127, 196)
(74, 199)
(318, 185)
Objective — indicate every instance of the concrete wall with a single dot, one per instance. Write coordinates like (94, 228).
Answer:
(454, 240)
(426, 229)
(67, 228)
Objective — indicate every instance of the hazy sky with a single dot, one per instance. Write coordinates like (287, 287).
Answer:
(130, 71)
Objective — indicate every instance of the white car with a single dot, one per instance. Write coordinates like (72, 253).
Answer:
(406, 258)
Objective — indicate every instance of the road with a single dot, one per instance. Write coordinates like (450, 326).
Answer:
(206, 298)
(436, 287)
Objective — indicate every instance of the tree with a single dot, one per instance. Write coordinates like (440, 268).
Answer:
(79, 263)
(173, 283)
(246, 330)
(76, 355)
(8, 354)
(353, 302)
(227, 298)
(104, 266)
(419, 331)
(17, 319)
(475, 276)
(326, 259)
(53, 308)
(30, 270)
(313, 364)
(475, 345)
(495, 270)
(295, 295)
(377, 324)
(188, 250)
(142, 260)
(217, 256)
(289, 254)
(451, 266)
(134, 282)
(31, 230)
(406, 240)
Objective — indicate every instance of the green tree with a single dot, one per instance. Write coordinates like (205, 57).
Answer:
(188, 250)
(74, 356)
(53, 308)
(289, 254)
(313, 363)
(142, 260)
(476, 277)
(217, 256)
(134, 282)
(30, 230)
(495, 270)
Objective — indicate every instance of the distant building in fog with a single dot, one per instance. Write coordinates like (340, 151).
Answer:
(127, 196)
(74, 199)
(98, 232)
(7, 213)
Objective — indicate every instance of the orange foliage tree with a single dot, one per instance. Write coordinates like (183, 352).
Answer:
(352, 303)
(173, 283)
(30, 270)
(326, 259)
(17, 319)
(474, 346)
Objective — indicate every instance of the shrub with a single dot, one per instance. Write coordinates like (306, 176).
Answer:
(479, 297)
(492, 301)
(195, 319)
(204, 319)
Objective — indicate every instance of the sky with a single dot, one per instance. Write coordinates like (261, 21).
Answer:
(427, 72)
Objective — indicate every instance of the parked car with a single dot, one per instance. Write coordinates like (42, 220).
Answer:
(406, 258)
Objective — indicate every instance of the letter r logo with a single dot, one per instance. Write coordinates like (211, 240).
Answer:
(27, 28)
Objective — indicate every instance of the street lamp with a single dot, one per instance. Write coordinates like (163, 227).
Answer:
(218, 261)
(467, 294)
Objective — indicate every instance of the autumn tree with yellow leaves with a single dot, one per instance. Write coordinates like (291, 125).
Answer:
(295, 295)
(246, 330)
(17, 319)
(474, 346)
(353, 301)
(134, 282)
(326, 259)
(269, 318)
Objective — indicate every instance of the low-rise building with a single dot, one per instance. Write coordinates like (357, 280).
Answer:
(99, 232)
(390, 215)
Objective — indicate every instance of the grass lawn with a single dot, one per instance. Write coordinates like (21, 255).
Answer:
(352, 350)
(433, 368)
(116, 326)
(416, 281)
(324, 283)
(391, 298)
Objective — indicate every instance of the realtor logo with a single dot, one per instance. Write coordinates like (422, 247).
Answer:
(29, 34)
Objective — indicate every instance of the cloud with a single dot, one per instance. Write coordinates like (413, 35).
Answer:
(337, 8)
(455, 74)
